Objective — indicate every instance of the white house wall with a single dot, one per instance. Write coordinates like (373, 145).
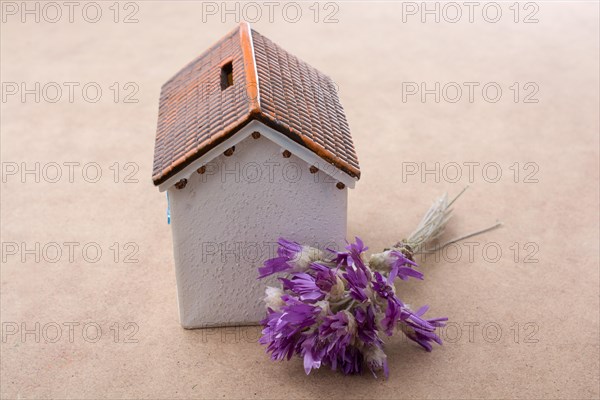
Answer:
(226, 222)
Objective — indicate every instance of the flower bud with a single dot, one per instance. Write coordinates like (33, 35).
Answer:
(338, 290)
(273, 298)
(381, 261)
(305, 257)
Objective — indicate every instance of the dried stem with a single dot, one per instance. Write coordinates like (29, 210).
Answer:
(432, 226)
(458, 239)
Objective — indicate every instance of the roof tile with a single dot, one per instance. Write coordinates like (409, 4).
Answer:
(196, 114)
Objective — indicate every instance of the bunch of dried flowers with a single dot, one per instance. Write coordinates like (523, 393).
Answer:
(333, 307)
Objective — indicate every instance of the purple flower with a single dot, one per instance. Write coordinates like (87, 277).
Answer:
(338, 330)
(282, 329)
(351, 361)
(392, 315)
(346, 258)
(396, 263)
(357, 273)
(277, 335)
(325, 277)
(355, 250)
(273, 266)
(332, 312)
(384, 288)
(312, 352)
(291, 256)
(328, 345)
(304, 285)
(421, 330)
(358, 247)
(366, 324)
(401, 267)
(358, 280)
(288, 249)
(341, 258)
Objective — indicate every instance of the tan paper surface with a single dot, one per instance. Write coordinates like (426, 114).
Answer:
(523, 323)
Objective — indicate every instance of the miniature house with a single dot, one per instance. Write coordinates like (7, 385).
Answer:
(252, 145)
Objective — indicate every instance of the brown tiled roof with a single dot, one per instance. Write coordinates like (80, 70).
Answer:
(196, 114)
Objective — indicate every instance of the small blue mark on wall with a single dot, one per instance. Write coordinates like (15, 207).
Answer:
(168, 210)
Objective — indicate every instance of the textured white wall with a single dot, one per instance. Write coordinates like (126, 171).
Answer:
(226, 221)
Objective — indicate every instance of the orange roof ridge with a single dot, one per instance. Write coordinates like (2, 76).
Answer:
(252, 88)
(198, 111)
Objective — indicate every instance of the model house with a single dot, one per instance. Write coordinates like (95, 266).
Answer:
(252, 145)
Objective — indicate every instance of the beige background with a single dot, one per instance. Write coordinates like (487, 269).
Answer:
(369, 52)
